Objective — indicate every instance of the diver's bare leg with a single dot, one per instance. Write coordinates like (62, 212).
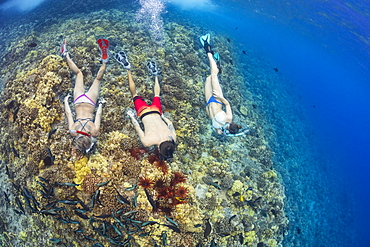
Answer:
(131, 84)
(93, 92)
(79, 85)
(157, 89)
(214, 72)
(208, 89)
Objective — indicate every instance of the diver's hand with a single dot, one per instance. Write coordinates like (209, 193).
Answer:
(219, 96)
(102, 101)
(130, 113)
(67, 98)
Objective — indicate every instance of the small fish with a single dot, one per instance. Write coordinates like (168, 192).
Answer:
(174, 228)
(86, 208)
(51, 204)
(197, 225)
(208, 229)
(10, 175)
(55, 240)
(244, 52)
(102, 216)
(102, 184)
(67, 184)
(43, 180)
(90, 238)
(19, 203)
(228, 40)
(17, 211)
(231, 62)
(171, 221)
(69, 202)
(134, 200)
(231, 218)
(16, 187)
(118, 231)
(236, 28)
(164, 238)
(48, 212)
(258, 199)
(33, 44)
(15, 112)
(82, 211)
(50, 154)
(63, 220)
(144, 234)
(276, 69)
(81, 215)
(122, 198)
(6, 197)
(131, 188)
(15, 152)
(216, 185)
(94, 198)
(149, 223)
(79, 230)
(150, 199)
(51, 132)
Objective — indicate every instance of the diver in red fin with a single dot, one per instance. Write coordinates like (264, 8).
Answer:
(103, 46)
(63, 49)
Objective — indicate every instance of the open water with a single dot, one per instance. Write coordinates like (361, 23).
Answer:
(307, 65)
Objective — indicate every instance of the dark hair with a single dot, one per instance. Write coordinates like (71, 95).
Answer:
(82, 143)
(234, 128)
(166, 149)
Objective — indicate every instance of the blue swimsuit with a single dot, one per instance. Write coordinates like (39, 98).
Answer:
(212, 99)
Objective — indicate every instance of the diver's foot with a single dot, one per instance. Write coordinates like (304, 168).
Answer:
(205, 40)
(63, 49)
(103, 46)
(122, 59)
(152, 68)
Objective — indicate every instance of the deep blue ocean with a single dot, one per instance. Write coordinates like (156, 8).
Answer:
(318, 105)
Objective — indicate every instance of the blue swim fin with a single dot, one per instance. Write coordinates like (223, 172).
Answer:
(216, 57)
(205, 38)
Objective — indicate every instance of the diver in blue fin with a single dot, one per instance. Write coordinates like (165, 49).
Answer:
(221, 120)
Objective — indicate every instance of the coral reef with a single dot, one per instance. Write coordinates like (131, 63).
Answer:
(228, 183)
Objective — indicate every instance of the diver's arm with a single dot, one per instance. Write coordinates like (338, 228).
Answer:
(98, 117)
(68, 112)
(229, 112)
(224, 101)
(138, 129)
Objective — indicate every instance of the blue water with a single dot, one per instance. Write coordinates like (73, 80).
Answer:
(321, 95)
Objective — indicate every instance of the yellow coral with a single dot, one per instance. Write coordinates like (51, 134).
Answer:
(271, 242)
(250, 237)
(270, 174)
(82, 170)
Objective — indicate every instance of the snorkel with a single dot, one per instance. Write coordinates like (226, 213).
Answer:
(226, 132)
(81, 134)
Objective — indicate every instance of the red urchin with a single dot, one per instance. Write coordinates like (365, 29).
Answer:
(145, 182)
(178, 178)
(160, 183)
(182, 192)
(161, 164)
